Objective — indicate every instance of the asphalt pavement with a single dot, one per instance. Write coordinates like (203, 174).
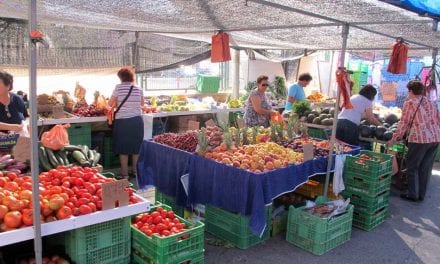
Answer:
(411, 234)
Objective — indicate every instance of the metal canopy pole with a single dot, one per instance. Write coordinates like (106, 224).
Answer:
(345, 30)
(435, 50)
(34, 131)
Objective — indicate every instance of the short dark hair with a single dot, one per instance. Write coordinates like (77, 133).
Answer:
(7, 79)
(416, 87)
(305, 77)
(126, 74)
(262, 78)
(368, 91)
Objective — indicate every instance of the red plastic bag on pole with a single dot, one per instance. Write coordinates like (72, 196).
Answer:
(220, 48)
(56, 138)
(398, 58)
(344, 85)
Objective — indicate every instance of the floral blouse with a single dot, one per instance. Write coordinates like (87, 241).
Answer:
(251, 117)
(426, 125)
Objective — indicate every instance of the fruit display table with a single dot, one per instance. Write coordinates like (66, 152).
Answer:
(217, 184)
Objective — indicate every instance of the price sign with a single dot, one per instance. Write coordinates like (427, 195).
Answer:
(308, 151)
(193, 125)
(210, 123)
(58, 111)
(113, 193)
(240, 123)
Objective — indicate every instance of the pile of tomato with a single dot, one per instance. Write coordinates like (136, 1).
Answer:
(64, 192)
(161, 223)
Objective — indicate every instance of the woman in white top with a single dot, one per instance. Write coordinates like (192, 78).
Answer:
(347, 129)
(128, 127)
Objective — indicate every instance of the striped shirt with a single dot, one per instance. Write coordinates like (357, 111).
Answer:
(426, 125)
(131, 107)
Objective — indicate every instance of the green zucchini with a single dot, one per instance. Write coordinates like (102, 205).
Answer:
(71, 148)
(91, 155)
(51, 157)
(59, 158)
(64, 157)
(96, 159)
(79, 157)
(42, 157)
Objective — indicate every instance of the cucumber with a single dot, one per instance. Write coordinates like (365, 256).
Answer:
(64, 157)
(96, 159)
(59, 158)
(42, 157)
(51, 157)
(71, 148)
(91, 155)
(79, 157)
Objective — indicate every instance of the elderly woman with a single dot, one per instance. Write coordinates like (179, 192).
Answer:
(12, 109)
(128, 127)
(420, 126)
(258, 110)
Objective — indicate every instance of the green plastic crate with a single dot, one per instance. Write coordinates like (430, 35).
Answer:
(368, 222)
(171, 249)
(80, 134)
(167, 200)
(317, 133)
(107, 242)
(367, 186)
(366, 203)
(196, 258)
(369, 168)
(234, 227)
(207, 83)
(318, 235)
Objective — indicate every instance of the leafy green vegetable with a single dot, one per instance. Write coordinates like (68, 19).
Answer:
(301, 107)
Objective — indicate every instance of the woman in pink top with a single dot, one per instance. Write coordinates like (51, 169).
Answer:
(421, 122)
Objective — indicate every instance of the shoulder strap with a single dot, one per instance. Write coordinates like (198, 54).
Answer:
(125, 99)
(414, 116)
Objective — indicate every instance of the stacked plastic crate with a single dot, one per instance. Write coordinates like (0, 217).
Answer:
(367, 179)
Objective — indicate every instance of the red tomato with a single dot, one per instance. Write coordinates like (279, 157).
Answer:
(176, 220)
(154, 214)
(160, 209)
(11, 175)
(137, 219)
(56, 202)
(79, 182)
(82, 201)
(3, 181)
(56, 189)
(26, 186)
(64, 212)
(88, 196)
(170, 215)
(56, 182)
(66, 184)
(13, 219)
(166, 233)
(28, 217)
(92, 206)
(85, 209)
(76, 211)
(16, 205)
(3, 210)
(12, 186)
(157, 219)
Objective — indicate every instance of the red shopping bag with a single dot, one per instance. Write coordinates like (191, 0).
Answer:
(220, 48)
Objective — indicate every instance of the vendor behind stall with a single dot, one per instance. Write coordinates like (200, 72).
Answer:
(347, 129)
(12, 109)
(258, 110)
(296, 91)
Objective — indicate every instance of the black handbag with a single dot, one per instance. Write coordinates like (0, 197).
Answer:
(113, 115)
(406, 135)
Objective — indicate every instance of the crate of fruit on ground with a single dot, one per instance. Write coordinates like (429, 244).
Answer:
(369, 164)
(321, 227)
(160, 236)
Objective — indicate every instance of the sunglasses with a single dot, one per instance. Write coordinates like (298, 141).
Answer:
(265, 84)
(8, 114)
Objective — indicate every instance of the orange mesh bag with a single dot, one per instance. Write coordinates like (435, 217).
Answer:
(56, 138)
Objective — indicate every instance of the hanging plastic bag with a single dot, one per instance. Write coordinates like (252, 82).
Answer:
(56, 138)
(338, 181)
(220, 47)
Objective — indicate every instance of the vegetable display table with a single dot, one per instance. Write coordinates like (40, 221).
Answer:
(223, 186)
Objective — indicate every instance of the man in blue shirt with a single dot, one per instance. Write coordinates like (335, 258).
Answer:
(296, 91)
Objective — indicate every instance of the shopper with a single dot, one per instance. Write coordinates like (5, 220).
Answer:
(347, 129)
(128, 127)
(420, 127)
(12, 109)
(296, 91)
(258, 110)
